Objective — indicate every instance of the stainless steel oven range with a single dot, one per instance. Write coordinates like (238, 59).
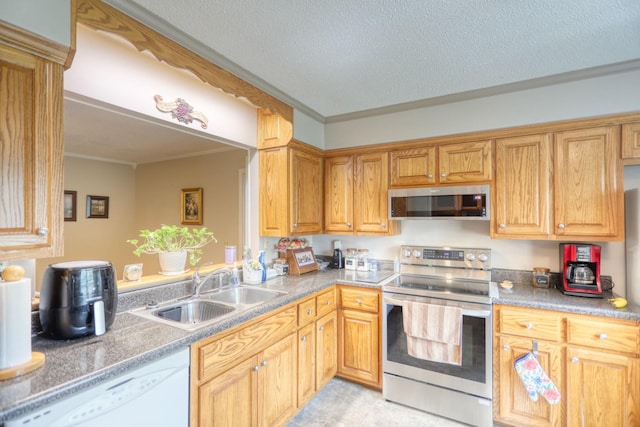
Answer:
(459, 279)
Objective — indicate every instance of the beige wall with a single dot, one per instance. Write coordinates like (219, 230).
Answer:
(146, 197)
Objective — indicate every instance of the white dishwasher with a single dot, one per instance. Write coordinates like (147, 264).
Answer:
(156, 394)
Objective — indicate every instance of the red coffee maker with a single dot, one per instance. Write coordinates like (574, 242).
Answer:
(580, 265)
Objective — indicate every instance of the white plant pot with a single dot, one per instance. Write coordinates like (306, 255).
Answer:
(172, 262)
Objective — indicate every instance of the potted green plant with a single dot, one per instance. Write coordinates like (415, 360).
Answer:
(172, 244)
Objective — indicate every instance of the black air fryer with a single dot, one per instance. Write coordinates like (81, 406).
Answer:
(77, 299)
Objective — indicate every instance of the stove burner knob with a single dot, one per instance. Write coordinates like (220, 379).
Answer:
(407, 253)
(417, 254)
(471, 256)
(483, 257)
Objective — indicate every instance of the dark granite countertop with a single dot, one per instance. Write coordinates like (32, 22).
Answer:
(74, 365)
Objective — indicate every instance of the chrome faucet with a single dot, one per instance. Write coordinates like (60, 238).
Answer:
(198, 282)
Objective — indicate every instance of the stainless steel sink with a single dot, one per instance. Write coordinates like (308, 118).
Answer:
(190, 314)
(244, 295)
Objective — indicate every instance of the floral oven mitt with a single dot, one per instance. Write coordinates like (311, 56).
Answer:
(535, 380)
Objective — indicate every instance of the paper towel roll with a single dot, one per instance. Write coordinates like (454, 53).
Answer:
(15, 323)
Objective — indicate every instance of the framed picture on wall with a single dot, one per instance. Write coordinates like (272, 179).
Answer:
(191, 206)
(70, 205)
(97, 207)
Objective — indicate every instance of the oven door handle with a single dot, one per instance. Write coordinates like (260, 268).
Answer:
(465, 311)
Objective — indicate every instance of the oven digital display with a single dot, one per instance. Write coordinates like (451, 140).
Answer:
(443, 254)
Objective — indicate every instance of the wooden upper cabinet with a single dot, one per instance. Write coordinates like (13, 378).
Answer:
(631, 143)
(31, 143)
(413, 167)
(521, 194)
(306, 192)
(291, 192)
(588, 184)
(370, 193)
(465, 162)
(338, 193)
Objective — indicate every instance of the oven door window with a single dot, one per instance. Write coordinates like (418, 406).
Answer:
(473, 348)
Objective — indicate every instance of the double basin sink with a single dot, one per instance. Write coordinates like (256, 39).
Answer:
(195, 313)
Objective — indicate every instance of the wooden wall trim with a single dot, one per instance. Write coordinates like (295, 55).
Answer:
(32, 43)
(615, 119)
(99, 16)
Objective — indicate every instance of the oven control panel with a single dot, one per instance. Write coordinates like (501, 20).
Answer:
(477, 258)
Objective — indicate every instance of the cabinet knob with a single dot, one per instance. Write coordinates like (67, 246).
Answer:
(603, 336)
(505, 347)
(358, 300)
(328, 302)
(295, 225)
(529, 326)
(256, 368)
(561, 226)
(429, 175)
(263, 363)
(309, 311)
(321, 328)
(574, 360)
(43, 231)
(503, 226)
(443, 174)
(383, 225)
(303, 338)
(349, 224)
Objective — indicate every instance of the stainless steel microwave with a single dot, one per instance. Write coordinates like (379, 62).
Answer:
(460, 202)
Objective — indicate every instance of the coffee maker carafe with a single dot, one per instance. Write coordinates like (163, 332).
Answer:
(580, 265)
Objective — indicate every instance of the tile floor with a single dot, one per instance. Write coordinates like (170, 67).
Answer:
(343, 403)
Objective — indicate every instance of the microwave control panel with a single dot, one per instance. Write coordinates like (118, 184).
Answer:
(476, 258)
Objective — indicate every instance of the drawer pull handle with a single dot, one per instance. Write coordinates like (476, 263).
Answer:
(256, 368)
(263, 363)
(304, 338)
(529, 326)
(505, 347)
(321, 328)
(358, 300)
(574, 360)
(328, 302)
(429, 175)
(603, 336)
(309, 311)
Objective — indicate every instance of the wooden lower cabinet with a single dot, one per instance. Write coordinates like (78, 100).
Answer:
(359, 334)
(306, 363)
(593, 361)
(326, 348)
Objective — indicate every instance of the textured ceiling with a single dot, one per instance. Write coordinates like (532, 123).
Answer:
(334, 58)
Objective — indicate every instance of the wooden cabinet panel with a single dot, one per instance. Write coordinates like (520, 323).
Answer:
(537, 324)
(306, 311)
(326, 348)
(614, 335)
(511, 401)
(326, 302)
(274, 213)
(413, 167)
(588, 192)
(31, 142)
(521, 194)
(370, 193)
(277, 382)
(602, 389)
(360, 299)
(306, 363)
(306, 192)
(338, 190)
(631, 142)
(358, 356)
(465, 162)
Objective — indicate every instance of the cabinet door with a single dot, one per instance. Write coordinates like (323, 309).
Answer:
(603, 389)
(277, 393)
(631, 142)
(465, 162)
(359, 346)
(338, 193)
(306, 202)
(326, 348)
(512, 404)
(588, 186)
(521, 198)
(412, 167)
(306, 363)
(31, 164)
(230, 399)
(273, 167)
(370, 194)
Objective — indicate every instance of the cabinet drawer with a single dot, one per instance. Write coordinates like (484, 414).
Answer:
(218, 356)
(306, 311)
(326, 302)
(360, 299)
(604, 334)
(538, 324)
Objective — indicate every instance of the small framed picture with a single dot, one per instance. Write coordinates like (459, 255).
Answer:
(70, 205)
(301, 261)
(97, 207)
(191, 205)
